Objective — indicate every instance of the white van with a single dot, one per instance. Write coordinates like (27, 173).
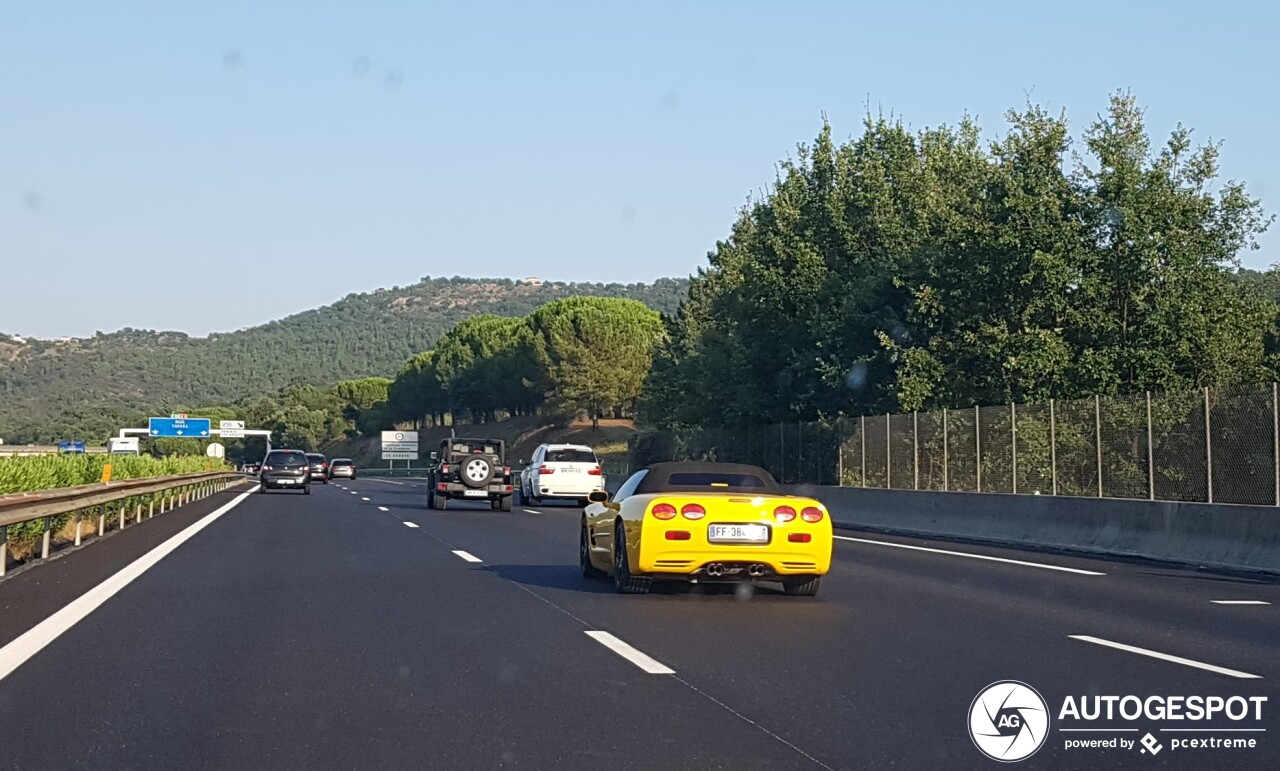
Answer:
(566, 471)
(123, 445)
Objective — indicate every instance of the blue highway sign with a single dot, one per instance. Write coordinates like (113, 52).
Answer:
(184, 427)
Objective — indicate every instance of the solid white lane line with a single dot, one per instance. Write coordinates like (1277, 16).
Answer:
(34, 640)
(531, 511)
(468, 556)
(383, 508)
(1165, 657)
(642, 660)
(1024, 563)
(411, 524)
(364, 499)
(1239, 602)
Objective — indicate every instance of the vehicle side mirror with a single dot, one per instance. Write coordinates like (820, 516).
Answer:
(598, 496)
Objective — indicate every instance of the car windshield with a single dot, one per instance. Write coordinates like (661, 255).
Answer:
(571, 456)
(340, 463)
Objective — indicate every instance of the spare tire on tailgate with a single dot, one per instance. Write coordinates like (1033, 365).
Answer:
(476, 471)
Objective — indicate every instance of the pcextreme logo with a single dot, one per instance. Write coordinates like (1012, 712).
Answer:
(1008, 721)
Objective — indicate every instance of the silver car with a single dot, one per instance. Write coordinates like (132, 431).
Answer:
(342, 467)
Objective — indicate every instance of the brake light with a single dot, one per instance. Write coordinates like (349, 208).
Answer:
(693, 511)
(506, 471)
(444, 468)
(784, 513)
(442, 486)
(799, 537)
(811, 514)
(597, 471)
(663, 511)
(546, 470)
(266, 468)
(677, 535)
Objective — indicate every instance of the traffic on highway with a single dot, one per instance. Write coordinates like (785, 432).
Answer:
(360, 628)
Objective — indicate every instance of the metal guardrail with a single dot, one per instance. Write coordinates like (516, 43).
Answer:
(27, 450)
(170, 492)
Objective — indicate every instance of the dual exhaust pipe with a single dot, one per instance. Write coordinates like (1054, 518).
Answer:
(716, 569)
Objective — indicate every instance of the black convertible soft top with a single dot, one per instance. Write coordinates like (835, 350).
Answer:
(702, 477)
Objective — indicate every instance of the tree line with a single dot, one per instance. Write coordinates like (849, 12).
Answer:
(906, 270)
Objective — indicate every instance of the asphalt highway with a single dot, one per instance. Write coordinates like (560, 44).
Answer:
(355, 628)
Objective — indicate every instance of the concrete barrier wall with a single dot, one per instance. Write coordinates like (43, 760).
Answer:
(1223, 536)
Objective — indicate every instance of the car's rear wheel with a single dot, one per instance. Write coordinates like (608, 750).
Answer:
(802, 587)
(439, 502)
(505, 504)
(624, 581)
(306, 489)
(584, 556)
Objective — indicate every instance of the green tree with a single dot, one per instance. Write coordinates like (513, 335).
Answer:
(596, 352)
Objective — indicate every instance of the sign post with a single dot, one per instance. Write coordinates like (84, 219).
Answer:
(399, 445)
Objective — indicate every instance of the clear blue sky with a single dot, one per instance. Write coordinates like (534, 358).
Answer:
(284, 154)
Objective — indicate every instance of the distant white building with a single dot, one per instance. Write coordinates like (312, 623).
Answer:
(18, 339)
(532, 281)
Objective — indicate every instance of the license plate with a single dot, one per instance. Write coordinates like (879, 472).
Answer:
(738, 533)
(284, 481)
(476, 493)
(571, 470)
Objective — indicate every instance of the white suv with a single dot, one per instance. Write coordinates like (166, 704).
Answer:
(569, 471)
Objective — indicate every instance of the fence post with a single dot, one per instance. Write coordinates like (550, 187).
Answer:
(888, 453)
(79, 519)
(1151, 454)
(4, 548)
(1013, 435)
(102, 520)
(1097, 424)
(1208, 448)
(977, 444)
(137, 512)
(915, 446)
(840, 453)
(151, 507)
(1053, 448)
(44, 548)
(862, 435)
(945, 450)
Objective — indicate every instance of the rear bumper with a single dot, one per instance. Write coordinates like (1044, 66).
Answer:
(459, 490)
(736, 563)
(567, 488)
(335, 474)
(284, 480)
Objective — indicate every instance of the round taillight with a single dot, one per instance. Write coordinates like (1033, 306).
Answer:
(693, 511)
(811, 514)
(663, 511)
(784, 513)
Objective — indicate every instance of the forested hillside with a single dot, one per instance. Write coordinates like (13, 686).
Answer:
(87, 387)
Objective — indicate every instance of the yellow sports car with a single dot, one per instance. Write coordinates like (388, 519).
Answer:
(705, 522)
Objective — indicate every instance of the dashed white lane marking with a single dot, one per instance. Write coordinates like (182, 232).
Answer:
(411, 524)
(383, 508)
(468, 556)
(353, 492)
(34, 640)
(1165, 657)
(1024, 563)
(639, 658)
(364, 499)
(531, 511)
(1239, 602)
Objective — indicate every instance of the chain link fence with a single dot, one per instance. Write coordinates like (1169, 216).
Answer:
(1210, 445)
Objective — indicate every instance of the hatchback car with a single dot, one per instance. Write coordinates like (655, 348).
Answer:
(319, 467)
(342, 467)
(285, 469)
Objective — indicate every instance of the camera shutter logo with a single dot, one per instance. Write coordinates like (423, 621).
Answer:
(1008, 721)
